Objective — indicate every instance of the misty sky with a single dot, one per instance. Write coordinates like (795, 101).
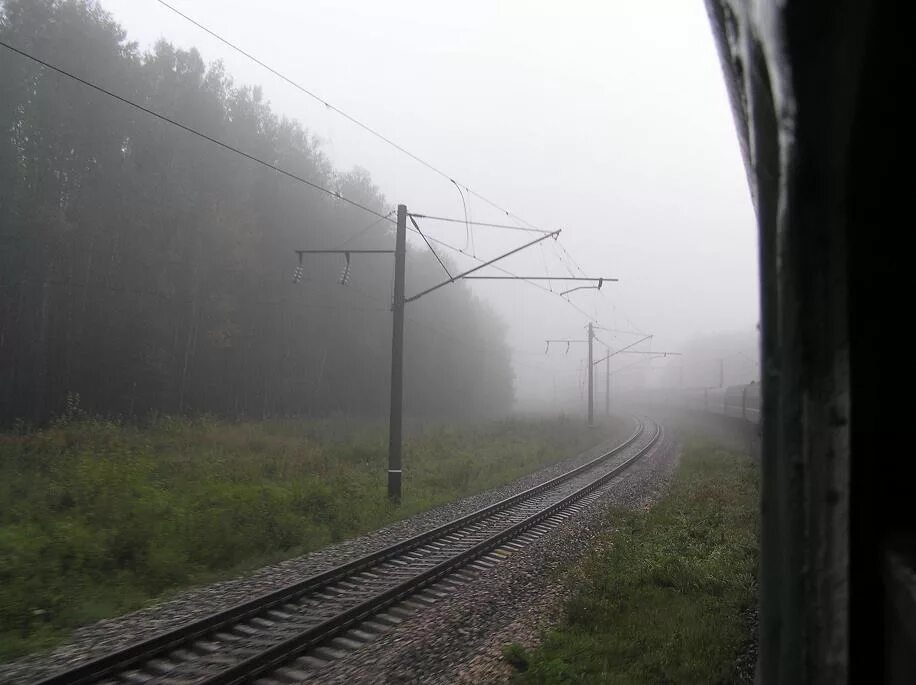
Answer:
(609, 120)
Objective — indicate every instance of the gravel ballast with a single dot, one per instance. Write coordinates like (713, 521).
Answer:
(460, 639)
(99, 638)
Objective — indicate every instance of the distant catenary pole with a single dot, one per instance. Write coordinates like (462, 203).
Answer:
(607, 386)
(397, 360)
(591, 381)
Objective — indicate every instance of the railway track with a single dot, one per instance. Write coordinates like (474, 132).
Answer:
(285, 635)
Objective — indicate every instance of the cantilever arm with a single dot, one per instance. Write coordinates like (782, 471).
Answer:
(554, 234)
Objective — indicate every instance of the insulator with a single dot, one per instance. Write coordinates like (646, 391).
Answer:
(297, 274)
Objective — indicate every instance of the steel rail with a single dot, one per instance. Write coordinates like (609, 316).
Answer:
(135, 654)
(282, 652)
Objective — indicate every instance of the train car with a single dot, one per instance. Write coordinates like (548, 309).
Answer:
(743, 402)
(740, 402)
(752, 402)
(734, 401)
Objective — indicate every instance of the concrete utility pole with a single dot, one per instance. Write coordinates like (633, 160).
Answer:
(395, 427)
(396, 420)
(607, 386)
(591, 373)
(623, 350)
(721, 373)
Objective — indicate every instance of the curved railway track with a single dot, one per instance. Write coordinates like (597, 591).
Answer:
(288, 633)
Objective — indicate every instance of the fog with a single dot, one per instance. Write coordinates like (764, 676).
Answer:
(609, 121)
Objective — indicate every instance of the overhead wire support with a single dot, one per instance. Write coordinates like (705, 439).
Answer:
(481, 266)
(600, 279)
(509, 273)
(89, 84)
(397, 342)
(627, 350)
(602, 342)
(589, 366)
(649, 352)
(561, 340)
(485, 224)
(438, 259)
(345, 274)
(622, 349)
(582, 287)
(618, 331)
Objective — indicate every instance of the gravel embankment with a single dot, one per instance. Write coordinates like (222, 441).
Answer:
(460, 639)
(101, 637)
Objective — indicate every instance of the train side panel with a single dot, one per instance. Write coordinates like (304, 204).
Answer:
(752, 402)
(734, 401)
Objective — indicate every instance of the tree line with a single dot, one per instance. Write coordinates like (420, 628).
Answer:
(143, 269)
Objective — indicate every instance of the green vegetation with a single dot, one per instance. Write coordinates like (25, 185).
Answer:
(97, 518)
(148, 271)
(664, 598)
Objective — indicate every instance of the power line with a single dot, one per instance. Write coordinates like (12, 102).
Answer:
(566, 252)
(363, 231)
(617, 331)
(478, 223)
(467, 227)
(265, 164)
(601, 341)
(508, 273)
(505, 271)
(467, 214)
(435, 254)
(193, 131)
(564, 263)
(339, 111)
(483, 265)
(639, 362)
(602, 279)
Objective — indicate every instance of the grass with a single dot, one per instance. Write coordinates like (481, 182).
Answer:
(98, 518)
(664, 598)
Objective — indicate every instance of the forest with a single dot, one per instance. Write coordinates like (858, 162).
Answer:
(145, 271)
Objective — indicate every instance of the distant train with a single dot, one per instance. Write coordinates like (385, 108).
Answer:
(736, 401)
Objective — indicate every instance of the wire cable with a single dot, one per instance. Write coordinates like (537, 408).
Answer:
(188, 129)
(268, 165)
(478, 223)
(575, 263)
(601, 341)
(564, 263)
(365, 230)
(467, 228)
(339, 111)
(435, 254)
(508, 273)
(467, 218)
